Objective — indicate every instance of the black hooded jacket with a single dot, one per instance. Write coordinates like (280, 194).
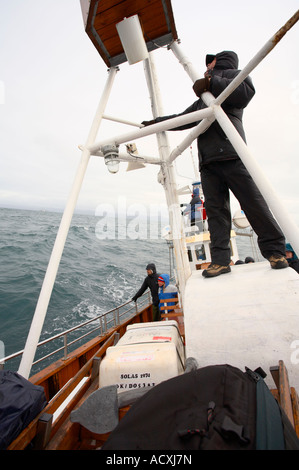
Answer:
(213, 145)
(151, 282)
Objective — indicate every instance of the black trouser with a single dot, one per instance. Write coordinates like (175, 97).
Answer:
(217, 178)
(156, 313)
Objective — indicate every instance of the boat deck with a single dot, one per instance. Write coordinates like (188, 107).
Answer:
(252, 321)
(217, 331)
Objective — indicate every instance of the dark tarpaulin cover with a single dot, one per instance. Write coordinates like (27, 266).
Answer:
(20, 403)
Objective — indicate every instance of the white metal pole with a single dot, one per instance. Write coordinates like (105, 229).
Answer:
(206, 122)
(154, 128)
(264, 51)
(287, 225)
(122, 121)
(252, 64)
(194, 75)
(185, 62)
(199, 129)
(168, 180)
(50, 276)
(126, 157)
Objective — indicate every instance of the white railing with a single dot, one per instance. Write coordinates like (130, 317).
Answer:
(105, 321)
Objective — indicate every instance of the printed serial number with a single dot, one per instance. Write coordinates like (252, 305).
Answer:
(135, 385)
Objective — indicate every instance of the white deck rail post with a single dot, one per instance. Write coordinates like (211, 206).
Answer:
(50, 276)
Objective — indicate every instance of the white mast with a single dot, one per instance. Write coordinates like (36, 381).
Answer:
(167, 179)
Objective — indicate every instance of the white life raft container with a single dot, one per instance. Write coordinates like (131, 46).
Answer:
(147, 354)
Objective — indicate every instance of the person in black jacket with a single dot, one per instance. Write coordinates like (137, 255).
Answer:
(222, 169)
(151, 282)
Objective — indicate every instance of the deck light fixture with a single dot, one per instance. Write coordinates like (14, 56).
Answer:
(111, 157)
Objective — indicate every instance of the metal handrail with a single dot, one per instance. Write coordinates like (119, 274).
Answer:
(114, 320)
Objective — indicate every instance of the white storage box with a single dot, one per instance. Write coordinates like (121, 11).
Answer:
(147, 354)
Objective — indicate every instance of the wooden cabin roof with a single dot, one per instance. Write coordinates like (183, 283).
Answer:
(155, 16)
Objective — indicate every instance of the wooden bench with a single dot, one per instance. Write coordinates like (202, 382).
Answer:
(286, 395)
(173, 312)
(167, 308)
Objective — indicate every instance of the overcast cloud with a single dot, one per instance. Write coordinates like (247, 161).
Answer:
(51, 79)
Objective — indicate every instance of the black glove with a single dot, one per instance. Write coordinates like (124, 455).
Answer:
(201, 85)
(148, 123)
(134, 298)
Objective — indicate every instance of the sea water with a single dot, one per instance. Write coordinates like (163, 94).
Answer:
(102, 266)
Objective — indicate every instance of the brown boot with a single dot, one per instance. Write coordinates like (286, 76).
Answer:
(278, 262)
(215, 270)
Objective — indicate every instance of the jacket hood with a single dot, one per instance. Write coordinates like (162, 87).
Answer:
(152, 267)
(166, 279)
(226, 60)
